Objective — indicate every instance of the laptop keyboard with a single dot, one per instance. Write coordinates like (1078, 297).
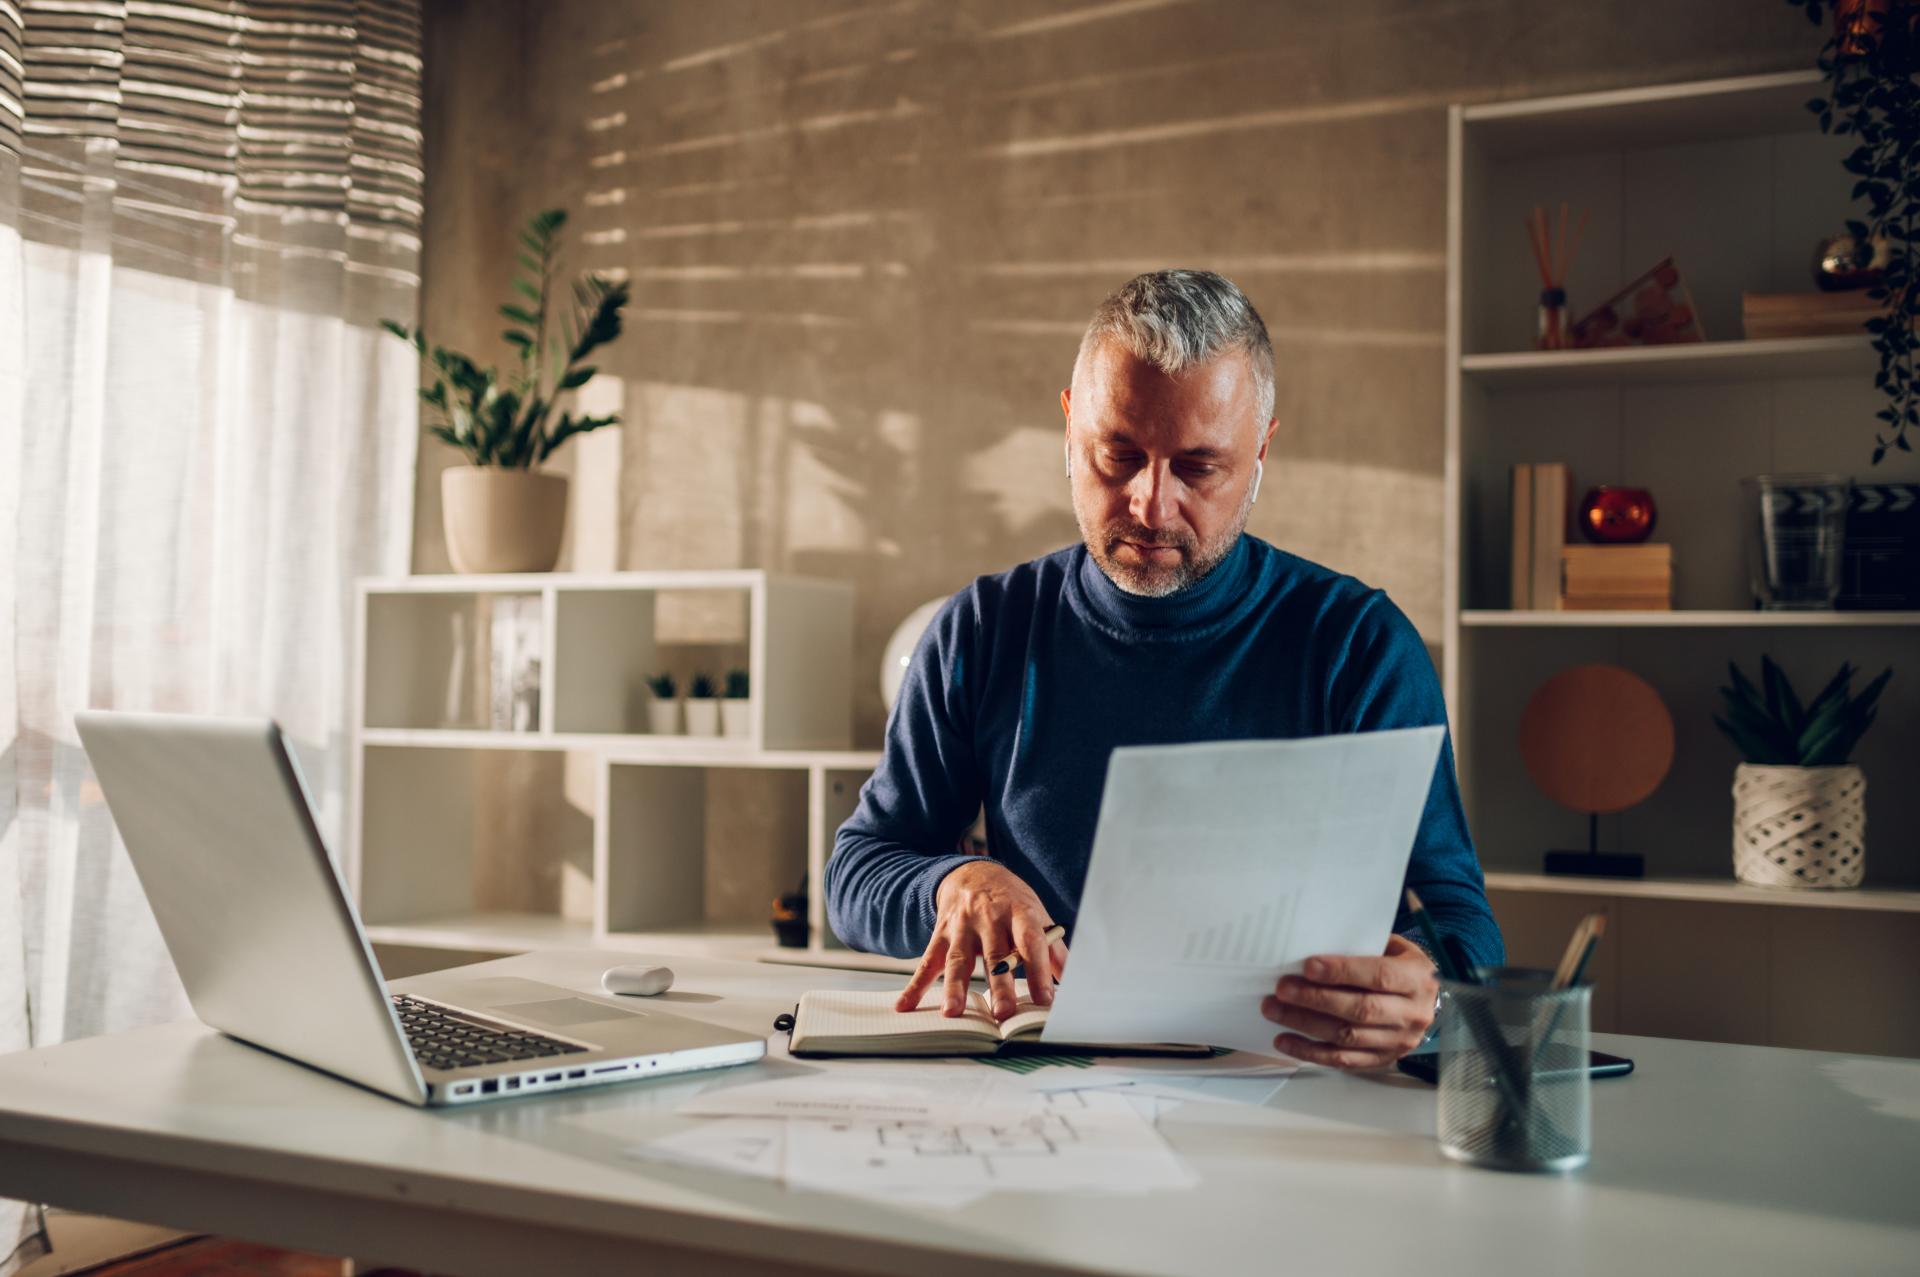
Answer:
(443, 1040)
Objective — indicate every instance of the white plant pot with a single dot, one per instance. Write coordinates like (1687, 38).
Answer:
(736, 718)
(1800, 827)
(663, 718)
(703, 717)
(503, 520)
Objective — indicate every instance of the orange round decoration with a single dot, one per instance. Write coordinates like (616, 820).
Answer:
(1596, 738)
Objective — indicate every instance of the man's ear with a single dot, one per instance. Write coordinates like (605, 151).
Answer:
(1066, 405)
(1266, 437)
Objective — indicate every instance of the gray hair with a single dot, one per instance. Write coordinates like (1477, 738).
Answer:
(1174, 319)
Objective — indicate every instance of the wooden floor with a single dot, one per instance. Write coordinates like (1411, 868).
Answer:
(213, 1257)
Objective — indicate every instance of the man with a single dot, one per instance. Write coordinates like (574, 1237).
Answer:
(1167, 624)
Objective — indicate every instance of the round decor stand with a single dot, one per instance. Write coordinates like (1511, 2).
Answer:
(1801, 827)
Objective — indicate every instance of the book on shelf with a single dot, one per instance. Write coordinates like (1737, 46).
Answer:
(1520, 538)
(1552, 491)
(1770, 316)
(1597, 578)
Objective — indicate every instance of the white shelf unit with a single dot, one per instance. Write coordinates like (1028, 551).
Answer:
(591, 830)
(1699, 618)
(1733, 180)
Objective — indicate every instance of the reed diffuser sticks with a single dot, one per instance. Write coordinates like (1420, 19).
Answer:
(1553, 256)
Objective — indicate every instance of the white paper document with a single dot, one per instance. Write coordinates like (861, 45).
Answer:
(1218, 868)
(1092, 1141)
(1070, 1141)
(936, 1093)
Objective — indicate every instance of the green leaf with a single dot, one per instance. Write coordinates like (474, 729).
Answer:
(1793, 717)
(570, 426)
(1756, 723)
(578, 377)
(529, 290)
(1827, 751)
(1752, 748)
(1872, 693)
(520, 314)
(515, 337)
(1836, 686)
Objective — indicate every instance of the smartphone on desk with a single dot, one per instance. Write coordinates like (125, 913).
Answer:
(1426, 1065)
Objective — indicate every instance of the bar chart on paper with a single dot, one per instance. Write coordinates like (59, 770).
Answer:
(1255, 936)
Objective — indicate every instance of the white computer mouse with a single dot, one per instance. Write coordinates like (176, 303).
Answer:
(637, 980)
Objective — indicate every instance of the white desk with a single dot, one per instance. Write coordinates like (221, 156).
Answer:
(1712, 1159)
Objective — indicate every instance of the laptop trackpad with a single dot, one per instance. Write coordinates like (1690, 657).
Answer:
(561, 1013)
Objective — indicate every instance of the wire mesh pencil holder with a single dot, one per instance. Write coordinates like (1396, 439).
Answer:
(1514, 1088)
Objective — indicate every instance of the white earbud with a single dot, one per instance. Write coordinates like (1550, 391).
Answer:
(1068, 449)
(1259, 472)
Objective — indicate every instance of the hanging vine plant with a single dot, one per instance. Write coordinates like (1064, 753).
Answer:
(1870, 62)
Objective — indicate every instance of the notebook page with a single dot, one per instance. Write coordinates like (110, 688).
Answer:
(1026, 1015)
(838, 1014)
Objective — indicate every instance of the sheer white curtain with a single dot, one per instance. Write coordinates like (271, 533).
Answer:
(205, 207)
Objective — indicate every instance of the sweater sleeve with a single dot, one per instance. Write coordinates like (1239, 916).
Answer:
(890, 855)
(1386, 680)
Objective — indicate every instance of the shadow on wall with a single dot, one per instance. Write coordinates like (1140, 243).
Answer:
(865, 240)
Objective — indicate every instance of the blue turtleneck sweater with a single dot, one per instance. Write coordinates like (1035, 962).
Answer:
(1026, 681)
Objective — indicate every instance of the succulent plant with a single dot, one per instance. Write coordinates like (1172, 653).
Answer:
(737, 685)
(1771, 727)
(701, 689)
(662, 686)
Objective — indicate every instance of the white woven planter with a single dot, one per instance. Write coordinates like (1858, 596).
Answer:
(1799, 826)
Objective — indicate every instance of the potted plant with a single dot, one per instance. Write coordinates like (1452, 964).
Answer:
(1799, 805)
(1871, 62)
(663, 711)
(735, 711)
(502, 513)
(703, 711)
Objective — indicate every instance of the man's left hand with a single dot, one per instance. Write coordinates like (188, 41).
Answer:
(1356, 1013)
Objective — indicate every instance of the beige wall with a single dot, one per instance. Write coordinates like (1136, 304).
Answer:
(865, 237)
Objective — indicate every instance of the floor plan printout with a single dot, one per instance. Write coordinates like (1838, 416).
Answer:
(1073, 1141)
(1064, 1142)
(1217, 868)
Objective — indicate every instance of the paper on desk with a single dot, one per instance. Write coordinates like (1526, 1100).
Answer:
(929, 1093)
(1070, 1142)
(1217, 868)
(756, 1148)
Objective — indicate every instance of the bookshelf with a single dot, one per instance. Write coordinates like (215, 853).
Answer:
(589, 830)
(1733, 180)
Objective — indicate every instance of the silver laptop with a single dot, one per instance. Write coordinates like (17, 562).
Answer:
(271, 951)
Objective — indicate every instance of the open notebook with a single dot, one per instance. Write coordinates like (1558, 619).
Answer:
(833, 1022)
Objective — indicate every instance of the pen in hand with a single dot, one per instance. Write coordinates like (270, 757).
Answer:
(1003, 965)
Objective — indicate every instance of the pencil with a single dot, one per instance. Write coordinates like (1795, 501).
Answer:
(1004, 965)
(1435, 948)
(1487, 1035)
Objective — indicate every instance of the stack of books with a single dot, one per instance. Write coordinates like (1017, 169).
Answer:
(1616, 578)
(1542, 499)
(1772, 315)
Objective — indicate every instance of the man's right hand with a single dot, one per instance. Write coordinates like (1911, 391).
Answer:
(983, 910)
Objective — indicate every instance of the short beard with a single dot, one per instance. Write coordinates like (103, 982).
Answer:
(1145, 580)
